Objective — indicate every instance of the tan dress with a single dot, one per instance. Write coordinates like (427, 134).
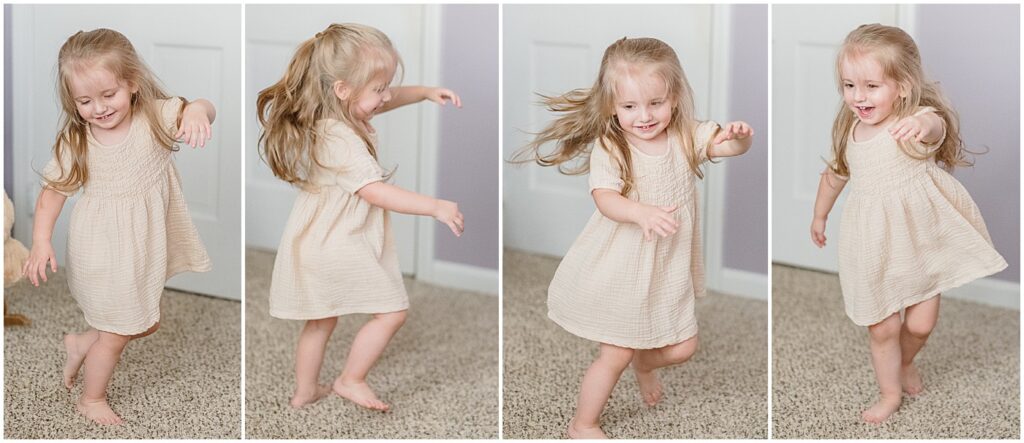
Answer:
(130, 231)
(615, 287)
(909, 231)
(337, 254)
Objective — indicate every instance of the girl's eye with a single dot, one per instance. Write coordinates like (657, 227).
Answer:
(656, 103)
(627, 106)
(847, 85)
(83, 103)
(108, 96)
(873, 86)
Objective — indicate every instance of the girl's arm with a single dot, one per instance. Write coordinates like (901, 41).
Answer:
(651, 219)
(734, 139)
(925, 128)
(195, 123)
(407, 95)
(828, 191)
(48, 207)
(394, 198)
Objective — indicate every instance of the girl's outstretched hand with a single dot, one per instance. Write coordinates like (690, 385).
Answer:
(733, 131)
(195, 127)
(656, 220)
(818, 232)
(910, 128)
(35, 266)
(441, 96)
(447, 212)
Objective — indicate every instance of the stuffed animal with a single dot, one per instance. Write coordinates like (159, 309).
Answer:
(14, 258)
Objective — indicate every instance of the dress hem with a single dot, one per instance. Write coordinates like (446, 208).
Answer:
(686, 333)
(336, 313)
(942, 287)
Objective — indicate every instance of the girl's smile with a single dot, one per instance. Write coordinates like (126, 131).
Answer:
(867, 91)
(642, 106)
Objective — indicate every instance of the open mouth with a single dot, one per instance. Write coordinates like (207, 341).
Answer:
(107, 117)
(645, 127)
(864, 111)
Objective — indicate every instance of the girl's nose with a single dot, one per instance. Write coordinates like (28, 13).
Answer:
(858, 94)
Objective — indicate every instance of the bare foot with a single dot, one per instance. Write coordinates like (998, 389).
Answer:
(911, 380)
(75, 357)
(99, 412)
(650, 386)
(301, 399)
(360, 394)
(589, 433)
(881, 410)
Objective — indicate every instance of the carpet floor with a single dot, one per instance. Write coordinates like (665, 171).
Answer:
(182, 382)
(722, 392)
(439, 373)
(822, 377)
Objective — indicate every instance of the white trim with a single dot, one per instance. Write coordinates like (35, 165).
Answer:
(743, 283)
(426, 264)
(23, 60)
(989, 291)
(714, 179)
(906, 18)
(461, 276)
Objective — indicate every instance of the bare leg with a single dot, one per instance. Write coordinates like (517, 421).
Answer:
(76, 346)
(646, 361)
(367, 347)
(918, 323)
(309, 357)
(885, 357)
(598, 382)
(100, 362)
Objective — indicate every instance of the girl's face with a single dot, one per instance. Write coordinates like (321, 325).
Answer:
(373, 97)
(102, 99)
(869, 93)
(642, 105)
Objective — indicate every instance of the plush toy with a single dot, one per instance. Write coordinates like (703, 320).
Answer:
(14, 258)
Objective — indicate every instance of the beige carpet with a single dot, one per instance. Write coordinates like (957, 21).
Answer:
(440, 372)
(822, 377)
(183, 382)
(721, 393)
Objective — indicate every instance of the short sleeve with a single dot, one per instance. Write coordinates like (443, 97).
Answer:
(830, 173)
(703, 134)
(53, 172)
(603, 173)
(928, 148)
(170, 110)
(346, 160)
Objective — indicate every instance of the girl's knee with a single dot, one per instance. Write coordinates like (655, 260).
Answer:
(920, 328)
(396, 319)
(681, 352)
(616, 356)
(886, 329)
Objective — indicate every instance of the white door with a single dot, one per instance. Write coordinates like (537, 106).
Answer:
(196, 52)
(805, 100)
(273, 32)
(551, 50)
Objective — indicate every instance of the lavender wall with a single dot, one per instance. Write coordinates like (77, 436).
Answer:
(974, 52)
(468, 157)
(8, 137)
(746, 203)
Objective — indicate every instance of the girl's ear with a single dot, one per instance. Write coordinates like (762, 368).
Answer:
(342, 90)
(904, 90)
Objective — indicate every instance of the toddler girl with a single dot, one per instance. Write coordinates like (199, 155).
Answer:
(909, 230)
(630, 279)
(130, 231)
(337, 254)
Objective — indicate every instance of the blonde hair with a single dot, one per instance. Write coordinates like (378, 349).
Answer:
(589, 114)
(900, 59)
(289, 110)
(110, 50)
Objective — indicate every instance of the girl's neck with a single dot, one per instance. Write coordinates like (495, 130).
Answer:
(654, 147)
(115, 135)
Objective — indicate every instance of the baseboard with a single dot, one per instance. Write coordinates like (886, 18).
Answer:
(989, 291)
(743, 283)
(460, 276)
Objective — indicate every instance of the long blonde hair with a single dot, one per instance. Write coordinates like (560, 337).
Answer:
(110, 50)
(589, 114)
(900, 59)
(289, 109)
